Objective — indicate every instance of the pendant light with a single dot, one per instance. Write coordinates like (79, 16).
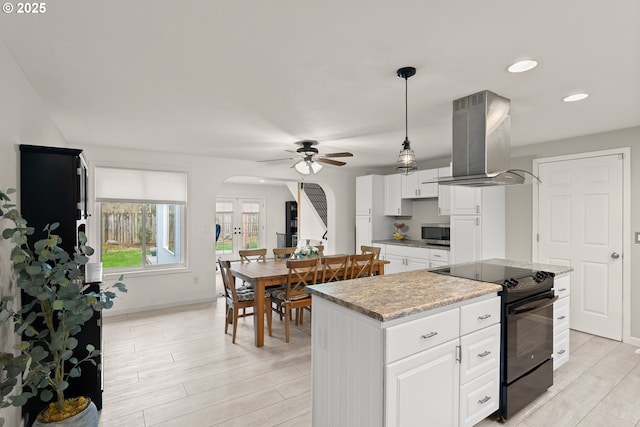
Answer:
(407, 159)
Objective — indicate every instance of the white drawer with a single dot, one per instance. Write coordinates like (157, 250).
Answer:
(417, 335)
(479, 315)
(480, 353)
(560, 315)
(561, 349)
(407, 251)
(479, 398)
(562, 285)
(439, 255)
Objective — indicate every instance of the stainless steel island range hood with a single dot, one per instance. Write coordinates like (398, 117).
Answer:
(481, 142)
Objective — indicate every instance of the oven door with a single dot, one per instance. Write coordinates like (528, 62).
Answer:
(529, 334)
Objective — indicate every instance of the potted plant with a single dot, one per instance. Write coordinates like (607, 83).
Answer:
(48, 354)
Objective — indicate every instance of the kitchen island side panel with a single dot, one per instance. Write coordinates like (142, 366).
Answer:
(347, 366)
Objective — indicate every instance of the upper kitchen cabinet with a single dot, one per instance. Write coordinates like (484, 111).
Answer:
(465, 200)
(371, 223)
(364, 194)
(414, 187)
(394, 204)
(444, 193)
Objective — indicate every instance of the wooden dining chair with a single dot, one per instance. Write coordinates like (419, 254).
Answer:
(302, 272)
(237, 299)
(371, 249)
(361, 265)
(320, 250)
(335, 268)
(249, 255)
(281, 254)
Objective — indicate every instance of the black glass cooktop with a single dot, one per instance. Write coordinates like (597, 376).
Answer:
(485, 272)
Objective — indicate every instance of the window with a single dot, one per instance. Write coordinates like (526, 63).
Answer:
(142, 217)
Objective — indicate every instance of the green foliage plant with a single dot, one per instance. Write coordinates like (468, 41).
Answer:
(47, 353)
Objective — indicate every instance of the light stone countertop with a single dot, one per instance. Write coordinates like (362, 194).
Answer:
(393, 296)
(398, 295)
(410, 242)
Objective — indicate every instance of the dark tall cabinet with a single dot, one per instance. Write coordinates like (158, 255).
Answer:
(291, 226)
(53, 185)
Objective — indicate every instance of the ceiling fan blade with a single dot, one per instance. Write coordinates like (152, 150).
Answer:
(329, 161)
(343, 154)
(277, 160)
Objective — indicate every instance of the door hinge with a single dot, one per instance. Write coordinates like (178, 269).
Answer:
(458, 354)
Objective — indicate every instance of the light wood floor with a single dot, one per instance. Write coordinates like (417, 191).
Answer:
(176, 367)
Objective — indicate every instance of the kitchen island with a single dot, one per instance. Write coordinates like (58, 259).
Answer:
(414, 348)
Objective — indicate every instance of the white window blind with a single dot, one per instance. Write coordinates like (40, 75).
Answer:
(114, 184)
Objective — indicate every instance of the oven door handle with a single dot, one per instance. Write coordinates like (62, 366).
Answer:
(533, 306)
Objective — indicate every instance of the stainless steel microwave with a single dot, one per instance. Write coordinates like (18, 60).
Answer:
(436, 234)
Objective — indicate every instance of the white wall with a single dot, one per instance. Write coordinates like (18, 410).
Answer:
(519, 202)
(23, 120)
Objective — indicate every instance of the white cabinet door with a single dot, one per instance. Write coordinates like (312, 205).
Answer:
(396, 264)
(394, 205)
(466, 239)
(444, 193)
(410, 185)
(364, 195)
(465, 200)
(430, 189)
(363, 231)
(423, 389)
(416, 264)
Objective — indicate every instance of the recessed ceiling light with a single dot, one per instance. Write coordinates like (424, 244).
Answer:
(522, 66)
(575, 97)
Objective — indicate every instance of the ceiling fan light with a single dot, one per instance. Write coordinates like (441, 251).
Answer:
(406, 164)
(303, 168)
(316, 167)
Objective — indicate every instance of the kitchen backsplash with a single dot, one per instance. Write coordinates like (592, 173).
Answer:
(424, 212)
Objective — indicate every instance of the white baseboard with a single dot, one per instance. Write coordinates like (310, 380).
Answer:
(112, 312)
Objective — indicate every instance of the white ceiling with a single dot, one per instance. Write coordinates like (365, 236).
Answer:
(245, 79)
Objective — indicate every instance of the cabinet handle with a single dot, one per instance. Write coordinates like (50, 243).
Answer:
(436, 256)
(398, 210)
(562, 317)
(484, 353)
(562, 289)
(477, 208)
(369, 211)
(484, 317)
(439, 211)
(477, 221)
(429, 335)
(484, 400)
(562, 351)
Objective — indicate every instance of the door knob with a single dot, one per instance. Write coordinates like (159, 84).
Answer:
(615, 255)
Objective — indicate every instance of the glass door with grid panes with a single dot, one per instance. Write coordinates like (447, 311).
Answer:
(241, 223)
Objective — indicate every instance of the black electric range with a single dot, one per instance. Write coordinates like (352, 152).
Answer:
(517, 282)
(526, 364)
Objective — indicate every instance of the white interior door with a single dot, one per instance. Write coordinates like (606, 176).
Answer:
(242, 225)
(580, 224)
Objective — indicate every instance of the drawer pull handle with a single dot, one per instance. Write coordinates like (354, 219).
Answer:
(484, 353)
(562, 317)
(484, 400)
(429, 335)
(562, 289)
(485, 317)
(562, 351)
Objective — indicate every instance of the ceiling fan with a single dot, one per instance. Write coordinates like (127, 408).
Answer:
(310, 160)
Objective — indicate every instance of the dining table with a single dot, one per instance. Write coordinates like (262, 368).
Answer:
(264, 274)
